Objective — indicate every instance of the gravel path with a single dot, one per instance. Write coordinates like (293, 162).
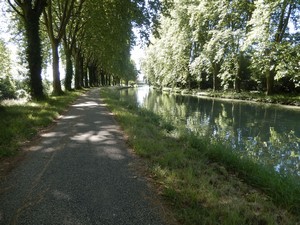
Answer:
(79, 173)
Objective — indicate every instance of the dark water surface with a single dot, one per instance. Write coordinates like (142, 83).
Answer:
(270, 134)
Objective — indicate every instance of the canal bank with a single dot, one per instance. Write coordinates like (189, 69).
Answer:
(249, 96)
(200, 182)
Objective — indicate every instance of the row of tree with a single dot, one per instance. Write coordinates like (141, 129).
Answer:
(220, 44)
(94, 38)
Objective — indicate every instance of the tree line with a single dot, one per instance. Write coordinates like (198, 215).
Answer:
(93, 37)
(227, 44)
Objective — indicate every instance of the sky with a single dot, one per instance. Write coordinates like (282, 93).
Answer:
(6, 36)
(137, 53)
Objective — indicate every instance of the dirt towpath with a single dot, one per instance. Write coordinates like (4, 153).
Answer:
(79, 173)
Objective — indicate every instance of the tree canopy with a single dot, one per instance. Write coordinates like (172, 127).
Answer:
(250, 45)
(222, 44)
(94, 39)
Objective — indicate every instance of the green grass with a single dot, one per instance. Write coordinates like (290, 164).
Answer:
(20, 122)
(204, 182)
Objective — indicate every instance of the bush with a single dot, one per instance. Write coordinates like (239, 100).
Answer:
(7, 88)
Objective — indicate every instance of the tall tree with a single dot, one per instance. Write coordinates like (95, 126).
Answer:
(56, 18)
(231, 32)
(170, 52)
(222, 40)
(269, 30)
(108, 34)
(74, 32)
(30, 12)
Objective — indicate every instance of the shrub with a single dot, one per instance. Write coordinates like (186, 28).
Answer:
(7, 88)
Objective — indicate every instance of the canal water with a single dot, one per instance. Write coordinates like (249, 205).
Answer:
(269, 134)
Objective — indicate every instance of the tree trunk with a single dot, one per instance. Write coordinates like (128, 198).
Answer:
(216, 82)
(91, 75)
(69, 68)
(86, 79)
(270, 81)
(237, 80)
(93, 80)
(77, 71)
(238, 76)
(108, 79)
(282, 26)
(33, 54)
(237, 84)
(81, 70)
(55, 66)
(103, 80)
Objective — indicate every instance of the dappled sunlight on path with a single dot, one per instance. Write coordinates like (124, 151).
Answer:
(78, 173)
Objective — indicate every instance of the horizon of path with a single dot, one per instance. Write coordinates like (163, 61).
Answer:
(79, 173)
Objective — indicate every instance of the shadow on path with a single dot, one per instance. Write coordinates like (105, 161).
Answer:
(78, 173)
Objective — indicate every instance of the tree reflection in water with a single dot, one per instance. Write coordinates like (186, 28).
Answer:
(268, 134)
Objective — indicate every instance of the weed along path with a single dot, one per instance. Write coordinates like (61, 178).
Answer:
(79, 172)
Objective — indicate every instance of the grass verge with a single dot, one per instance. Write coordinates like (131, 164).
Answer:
(20, 122)
(204, 182)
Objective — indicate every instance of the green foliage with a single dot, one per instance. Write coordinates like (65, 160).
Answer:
(167, 59)
(288, 58)
(207, 42)
(108, 35)
(95, 36)
(4, 60)
(7, 88)
(272, 41)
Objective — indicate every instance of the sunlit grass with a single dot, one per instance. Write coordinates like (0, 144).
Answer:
(204, 182)
(20, 121)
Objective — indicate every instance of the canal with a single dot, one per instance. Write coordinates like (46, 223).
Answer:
(269, 134)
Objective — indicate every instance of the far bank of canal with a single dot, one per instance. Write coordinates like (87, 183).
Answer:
(268, 133)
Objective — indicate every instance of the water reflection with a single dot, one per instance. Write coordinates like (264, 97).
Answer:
(268, 134)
